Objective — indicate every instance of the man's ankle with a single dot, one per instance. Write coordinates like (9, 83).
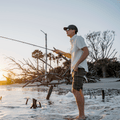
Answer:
(83, 117)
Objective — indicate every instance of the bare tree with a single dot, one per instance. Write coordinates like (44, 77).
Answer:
(25, 70)
(100, 47)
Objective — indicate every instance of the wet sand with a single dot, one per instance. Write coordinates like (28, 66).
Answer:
(105, 83)
(63, 102)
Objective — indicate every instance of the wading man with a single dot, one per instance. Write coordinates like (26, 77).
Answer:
(78, 55)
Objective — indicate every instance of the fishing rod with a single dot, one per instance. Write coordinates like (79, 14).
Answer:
(25, 42)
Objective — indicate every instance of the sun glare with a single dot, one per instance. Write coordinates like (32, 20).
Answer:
(1, 76)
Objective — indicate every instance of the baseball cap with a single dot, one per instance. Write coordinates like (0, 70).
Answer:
(73, 27)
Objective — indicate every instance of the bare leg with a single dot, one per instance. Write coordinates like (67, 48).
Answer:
(80, 103)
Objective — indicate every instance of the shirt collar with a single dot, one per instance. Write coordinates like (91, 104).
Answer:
(72, 39)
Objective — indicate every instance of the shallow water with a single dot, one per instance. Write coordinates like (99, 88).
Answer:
(13, 107)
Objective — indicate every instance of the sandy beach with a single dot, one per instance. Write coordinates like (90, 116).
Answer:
(61, 105)
(104, 83)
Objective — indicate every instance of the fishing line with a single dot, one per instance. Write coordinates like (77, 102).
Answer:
(24, 42)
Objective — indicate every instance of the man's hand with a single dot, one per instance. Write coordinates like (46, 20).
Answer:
(68, 55)
(58, 51)
(76, 68)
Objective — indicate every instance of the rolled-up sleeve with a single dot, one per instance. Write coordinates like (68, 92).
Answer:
(80, 42)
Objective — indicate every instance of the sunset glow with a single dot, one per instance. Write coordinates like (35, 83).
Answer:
(1, 76)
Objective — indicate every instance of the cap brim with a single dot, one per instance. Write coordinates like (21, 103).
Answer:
(65, 28)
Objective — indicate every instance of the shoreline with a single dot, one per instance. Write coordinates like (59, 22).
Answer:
(109, 85)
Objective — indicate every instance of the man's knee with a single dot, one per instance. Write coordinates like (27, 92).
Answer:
(76, 92)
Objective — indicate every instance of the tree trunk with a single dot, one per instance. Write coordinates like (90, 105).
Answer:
(104, 71)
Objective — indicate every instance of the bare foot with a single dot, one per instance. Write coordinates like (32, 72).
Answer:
(80, 118)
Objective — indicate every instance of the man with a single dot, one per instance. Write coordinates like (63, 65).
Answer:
(78, 55)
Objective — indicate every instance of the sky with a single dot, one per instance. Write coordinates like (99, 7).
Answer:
(24, 19)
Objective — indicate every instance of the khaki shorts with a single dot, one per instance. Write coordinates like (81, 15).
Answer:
(78, 77)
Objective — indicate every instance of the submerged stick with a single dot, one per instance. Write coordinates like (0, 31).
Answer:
(39, 104)
(34, 105)
(49, 92)
(27, 100)
(103, 95)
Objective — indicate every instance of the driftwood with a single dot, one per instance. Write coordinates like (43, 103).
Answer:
(27, 100)
(39, 104)
(49, 92)
(34, 80)
(34, 105)
(61, 78)
(103, 95)
(51, 77)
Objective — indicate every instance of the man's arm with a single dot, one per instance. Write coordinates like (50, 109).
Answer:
(68, 55)
(82, 58)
